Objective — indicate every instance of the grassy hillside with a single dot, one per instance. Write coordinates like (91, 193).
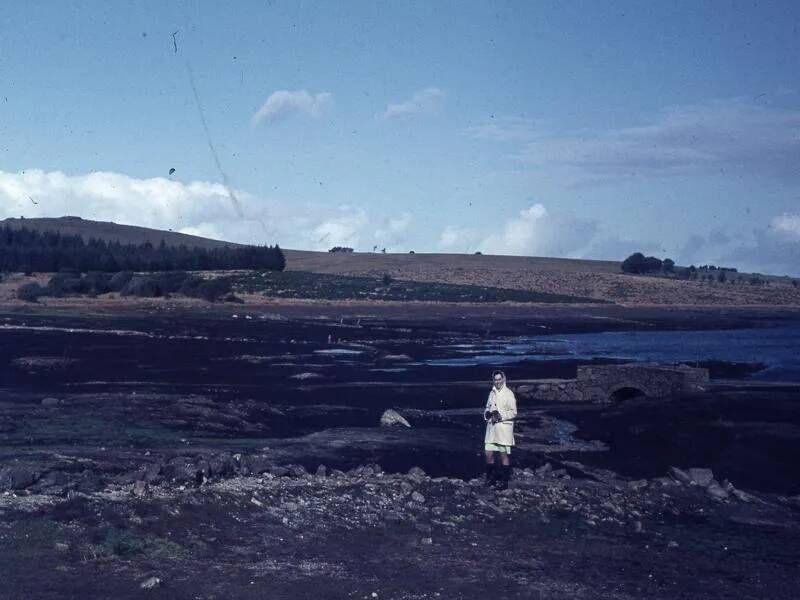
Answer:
(125, 234)
(560, 277)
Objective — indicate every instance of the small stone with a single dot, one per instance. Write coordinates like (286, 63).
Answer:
(417, 497)
(140, 489)
(322, 471)
(50, 401)
(391, 418)
(150, 583)
(672, 544)
(637, 526)
(544, 470)
(426, 541)
(680, 475)
(256, 501)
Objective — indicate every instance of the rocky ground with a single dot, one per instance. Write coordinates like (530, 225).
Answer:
(229, 527)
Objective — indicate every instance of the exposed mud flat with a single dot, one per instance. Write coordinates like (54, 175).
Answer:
(197, 454)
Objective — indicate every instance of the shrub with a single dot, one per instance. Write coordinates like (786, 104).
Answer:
(386, 279)
(31, 292)
(668, 266)
(97, 282)
(213, 289)
(340, 249)
(64, 284)
(119, 280)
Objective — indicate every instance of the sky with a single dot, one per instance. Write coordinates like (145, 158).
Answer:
(576, 129)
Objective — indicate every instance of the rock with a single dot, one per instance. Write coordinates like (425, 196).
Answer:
(638, 484)
(61, 547)
(715, 491)
(702, 477)
(742, 496)
(151, 473)
(255, 464)
(680, 475)
(417, 497)
(50, 401)
(322, 471)
(559, 472)
(150, 583)
(391, 418)
(297, 471)
(637, 526)
(54, 478)
(278, 471)
(256, 501)
(140, 489)
(17, 478)
(406, 486)
(426, 541)
(672, 544)
(544, 470)
(416, 472)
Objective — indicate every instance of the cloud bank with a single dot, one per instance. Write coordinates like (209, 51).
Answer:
(735, 136)
(284, 103)
(198, 208)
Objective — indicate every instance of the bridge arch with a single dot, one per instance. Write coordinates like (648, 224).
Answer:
(627, 391)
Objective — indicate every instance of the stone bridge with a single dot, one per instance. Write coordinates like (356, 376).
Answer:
(611, 383)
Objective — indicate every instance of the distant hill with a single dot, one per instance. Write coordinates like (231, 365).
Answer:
(598, 279)
(105, 230)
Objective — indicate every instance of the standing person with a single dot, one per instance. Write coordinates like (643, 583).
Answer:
(500, 412)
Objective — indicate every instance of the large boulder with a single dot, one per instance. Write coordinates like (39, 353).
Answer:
(17, 478)
(392, 418)
(702, 477)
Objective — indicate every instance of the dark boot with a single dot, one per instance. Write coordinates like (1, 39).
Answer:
(490, 469)
(503, 477)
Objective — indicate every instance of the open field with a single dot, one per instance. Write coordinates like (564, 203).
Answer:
(584, 278)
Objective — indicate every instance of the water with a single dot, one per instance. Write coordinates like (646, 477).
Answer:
(777, 346)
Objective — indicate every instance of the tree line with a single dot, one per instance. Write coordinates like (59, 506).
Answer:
(29, 250)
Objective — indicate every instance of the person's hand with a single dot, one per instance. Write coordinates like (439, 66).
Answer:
(487, 415)
(496, 418)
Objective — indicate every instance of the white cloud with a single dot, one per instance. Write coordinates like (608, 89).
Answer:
(344, 229)
(736, 136)
(505, 129)
(394, 231)
(199, 207)
(537, 232)
(282, 103)
(534, 231)
(425, 101)
(787, 225)
(458, 239)
(773, 249)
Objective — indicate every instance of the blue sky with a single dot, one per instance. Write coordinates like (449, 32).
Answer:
(582, 129)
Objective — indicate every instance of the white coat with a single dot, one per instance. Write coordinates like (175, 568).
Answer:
(504, 402)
